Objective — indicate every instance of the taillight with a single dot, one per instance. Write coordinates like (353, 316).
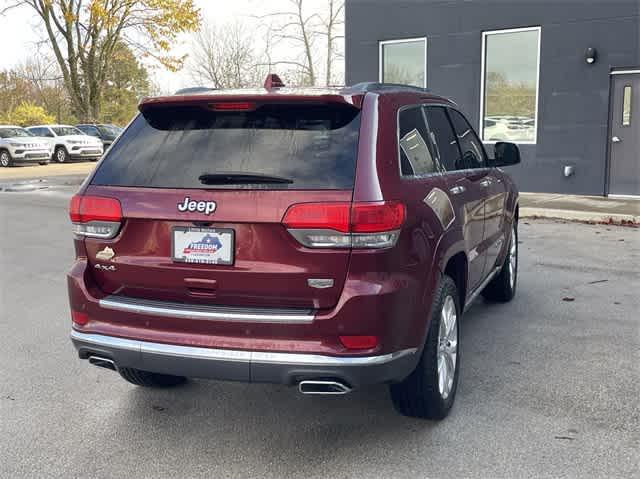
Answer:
(332, 216)
(376, 217)
(95, 216)
(345, 225)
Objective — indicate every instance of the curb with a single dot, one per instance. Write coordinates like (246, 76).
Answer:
(572, 215)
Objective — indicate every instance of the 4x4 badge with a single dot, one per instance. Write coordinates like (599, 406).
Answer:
(106, 254)
(206, 207)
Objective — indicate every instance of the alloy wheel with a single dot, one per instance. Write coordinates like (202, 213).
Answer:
(447, 347)
(4, 159)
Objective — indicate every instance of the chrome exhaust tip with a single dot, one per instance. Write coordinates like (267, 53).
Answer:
(103, 363)
(323, 387)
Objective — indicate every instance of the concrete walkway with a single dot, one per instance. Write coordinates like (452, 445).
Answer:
(580, 208)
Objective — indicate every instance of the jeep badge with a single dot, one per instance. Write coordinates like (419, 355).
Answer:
(206, 207)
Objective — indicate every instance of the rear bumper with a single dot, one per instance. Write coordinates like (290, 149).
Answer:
(246, 366)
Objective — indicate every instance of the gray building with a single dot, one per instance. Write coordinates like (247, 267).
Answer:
(561, 78)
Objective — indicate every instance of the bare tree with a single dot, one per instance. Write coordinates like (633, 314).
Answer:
(303, 25)
(296, 26)
(333, 28)
(46, 84)
(224, 57)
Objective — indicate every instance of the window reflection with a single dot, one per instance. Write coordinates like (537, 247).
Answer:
(403, 62)
(510, 85)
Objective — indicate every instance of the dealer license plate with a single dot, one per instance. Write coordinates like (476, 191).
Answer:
(203, 245)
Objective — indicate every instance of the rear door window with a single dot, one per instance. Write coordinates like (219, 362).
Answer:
(443, 136)
(416, 157)
(313, 146)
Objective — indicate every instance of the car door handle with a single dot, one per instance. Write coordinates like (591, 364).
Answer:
(616, 139)
(456, 190)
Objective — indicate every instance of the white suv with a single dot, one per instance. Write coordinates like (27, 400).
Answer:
(69, 143)
(17, 145)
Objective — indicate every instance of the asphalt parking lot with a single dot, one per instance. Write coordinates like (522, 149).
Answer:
(56, 170)
(549, 383)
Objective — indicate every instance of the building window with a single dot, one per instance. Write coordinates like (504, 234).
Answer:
(626, 106)
(404, 61)
(510, 74)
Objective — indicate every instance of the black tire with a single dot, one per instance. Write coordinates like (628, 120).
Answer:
(502, 288)
(5, 159)
(148, 379)
(419, 395)
(60, 154)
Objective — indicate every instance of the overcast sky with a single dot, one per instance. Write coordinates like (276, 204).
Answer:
(21, 32)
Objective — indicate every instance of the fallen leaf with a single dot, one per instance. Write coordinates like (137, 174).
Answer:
(158, 408)
(568, 299)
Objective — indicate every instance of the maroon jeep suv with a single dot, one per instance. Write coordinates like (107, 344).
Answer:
(323, 238)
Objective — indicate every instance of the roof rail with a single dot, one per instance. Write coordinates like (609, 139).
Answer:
(377, 86)
(194, 90)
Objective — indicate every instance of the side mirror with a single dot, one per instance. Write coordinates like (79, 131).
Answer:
(506, 154)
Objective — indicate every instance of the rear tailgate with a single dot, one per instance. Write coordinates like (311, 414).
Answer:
(154, 170)
(269, 269)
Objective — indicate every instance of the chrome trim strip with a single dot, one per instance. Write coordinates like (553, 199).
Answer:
(212, 313)
(481, 286)
(624, 197)
(232, 355)
(624, 72)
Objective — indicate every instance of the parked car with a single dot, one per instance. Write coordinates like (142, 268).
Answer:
(69, 143)
(106, 133)
(327, 239)
(17, 145)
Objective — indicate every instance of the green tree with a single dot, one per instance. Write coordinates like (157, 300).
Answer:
(127, 81)
(85, 34)
(26, 114)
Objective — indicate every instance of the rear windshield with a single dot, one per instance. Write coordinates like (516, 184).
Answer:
(314, 147)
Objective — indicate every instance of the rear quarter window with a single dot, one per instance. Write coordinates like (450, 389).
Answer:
(315, 146)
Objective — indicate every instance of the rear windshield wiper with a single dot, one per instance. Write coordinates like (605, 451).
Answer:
(241, 179)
